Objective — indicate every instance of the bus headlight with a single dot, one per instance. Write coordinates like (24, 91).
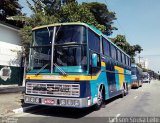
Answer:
(27, 99)
(76, 102)
(37, 100)
(32, 99)
(62, 102)
(69, 102)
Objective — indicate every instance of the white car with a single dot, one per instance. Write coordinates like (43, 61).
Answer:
(146, 77)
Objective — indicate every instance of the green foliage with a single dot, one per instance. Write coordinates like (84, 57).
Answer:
(10, 8)
(97, 14)
(73, 12)
(49, 12)
(103, 16)
(120, 41)
(26, 35)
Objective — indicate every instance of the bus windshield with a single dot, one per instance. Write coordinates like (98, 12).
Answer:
(69, 48)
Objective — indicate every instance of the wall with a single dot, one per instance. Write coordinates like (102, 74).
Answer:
(11, 71)
(9, 35)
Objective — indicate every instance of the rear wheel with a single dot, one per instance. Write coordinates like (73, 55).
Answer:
(124, 90)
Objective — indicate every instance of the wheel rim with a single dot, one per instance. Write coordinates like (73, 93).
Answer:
(99, 98)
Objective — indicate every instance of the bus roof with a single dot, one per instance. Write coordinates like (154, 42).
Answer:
(84, 24)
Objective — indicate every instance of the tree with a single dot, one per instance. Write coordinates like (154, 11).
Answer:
(73, 12)
(120, 41)
(49, 11)
(10, 8)
(103, 16)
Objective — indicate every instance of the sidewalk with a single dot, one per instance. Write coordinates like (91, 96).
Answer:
(9, 102)
(11, 97)
(11, 89)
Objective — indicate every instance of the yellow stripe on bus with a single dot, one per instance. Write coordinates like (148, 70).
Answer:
(61, 77)
(103, 64)
(121, 75)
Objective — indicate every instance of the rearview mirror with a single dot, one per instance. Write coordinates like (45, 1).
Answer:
(94, 60)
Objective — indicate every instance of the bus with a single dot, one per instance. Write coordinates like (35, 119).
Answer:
(75, 65)
(137, 76)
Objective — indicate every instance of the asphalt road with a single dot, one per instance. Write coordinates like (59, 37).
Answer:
(141, 102)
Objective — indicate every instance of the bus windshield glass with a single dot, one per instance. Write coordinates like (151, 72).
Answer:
(69, 48)
(70, 34)
(40, 52)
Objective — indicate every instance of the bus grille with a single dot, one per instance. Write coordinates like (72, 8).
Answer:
(53, 89)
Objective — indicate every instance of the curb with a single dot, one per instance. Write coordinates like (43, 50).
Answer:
(5, 90)
(21, 110)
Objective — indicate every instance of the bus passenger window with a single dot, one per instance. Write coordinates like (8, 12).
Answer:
(93, 41)
(113, 52)
(119, 56)
(126, 60)
(123, 60)
(106, 47)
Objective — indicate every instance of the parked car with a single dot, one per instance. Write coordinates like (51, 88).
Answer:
(146, 77)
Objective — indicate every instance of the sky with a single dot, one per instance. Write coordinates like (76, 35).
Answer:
(138, 20)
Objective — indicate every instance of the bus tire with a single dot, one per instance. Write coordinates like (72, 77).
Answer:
(125, 89)
(100, 98)
(122, 94)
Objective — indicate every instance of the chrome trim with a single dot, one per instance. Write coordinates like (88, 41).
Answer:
(83, 101)
(53, 89)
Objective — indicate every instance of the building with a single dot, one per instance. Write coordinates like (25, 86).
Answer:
(11, 71)
(143, 62)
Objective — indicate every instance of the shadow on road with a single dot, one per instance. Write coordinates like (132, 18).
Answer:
(65, 112)
(61, 112)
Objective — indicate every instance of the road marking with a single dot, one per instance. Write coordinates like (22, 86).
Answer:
(142, 90)
(23, 109)
(135, 97)
(118, 115)
(114, 119)
(21, 114)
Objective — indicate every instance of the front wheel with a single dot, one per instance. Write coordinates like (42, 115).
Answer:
(100, 100)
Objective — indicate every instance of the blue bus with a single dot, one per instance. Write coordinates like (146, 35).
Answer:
(137, 76)
(75, 65)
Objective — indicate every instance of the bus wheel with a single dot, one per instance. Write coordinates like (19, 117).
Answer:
(100, 99)
(125, 89)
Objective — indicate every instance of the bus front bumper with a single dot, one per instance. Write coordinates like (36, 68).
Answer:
(58, 101)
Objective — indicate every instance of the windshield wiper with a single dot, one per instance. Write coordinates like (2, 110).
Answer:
(60, 69)
(41, 69)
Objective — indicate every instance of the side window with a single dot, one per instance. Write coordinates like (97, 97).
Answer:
(113, 52)
(106, 47)
(123, 58)
(119, 55)
(93, 41)
(129, 62)
(126, 60)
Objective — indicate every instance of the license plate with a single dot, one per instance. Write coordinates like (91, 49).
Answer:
(49, 101)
